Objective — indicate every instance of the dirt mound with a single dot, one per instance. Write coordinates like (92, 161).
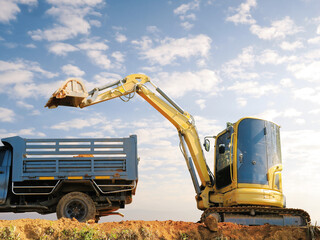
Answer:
(64, 229)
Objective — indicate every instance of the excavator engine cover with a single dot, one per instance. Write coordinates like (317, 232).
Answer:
(71, 93)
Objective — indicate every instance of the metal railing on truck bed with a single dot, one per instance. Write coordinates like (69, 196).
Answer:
(72, 159)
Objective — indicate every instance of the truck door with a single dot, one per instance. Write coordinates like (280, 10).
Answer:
(5, 163)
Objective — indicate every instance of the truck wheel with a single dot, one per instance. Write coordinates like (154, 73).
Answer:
(76, 205)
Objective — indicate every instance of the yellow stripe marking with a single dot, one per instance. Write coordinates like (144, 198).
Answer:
(75, 177)
(102, 177)
(46, 178)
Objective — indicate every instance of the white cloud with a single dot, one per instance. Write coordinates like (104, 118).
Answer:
(151, 69)
(99, 58)
(207, 126)
(291, 112)
(315, 111)
(272, 57)
(170, 49)
(20, 71)
(90, 44)
(104, 78)
(291, 46)
(306, 71)
(30, 132)
(243, 15)
(95, 23)
(190, 16)
(118, 56)
(242, 102)
(183, 11)
(187, 25)
(179, 83)
(308, 94)
(144, 44)
(6, 115)
(31, 110)
(287, 113)
(297, 145)
(62, 49)
(23, 104)
(201, 103)
(278, 30)
(78, 123)
(71, 20)
(31, 45)
(72, 70)
(160, 135)
(240, 67)
(253, 89)
(310, 56)
(186, 7)
(315, 40)
(9, 9)
(27, 90)
(286, 82)
(75, 2)
(93, 50)
(17, 79)
(153, 29)
(9, 66)
(121, 38)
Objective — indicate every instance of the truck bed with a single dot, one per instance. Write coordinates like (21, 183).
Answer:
(113, 160)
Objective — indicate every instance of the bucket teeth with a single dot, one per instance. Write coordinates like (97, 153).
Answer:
(71, 93)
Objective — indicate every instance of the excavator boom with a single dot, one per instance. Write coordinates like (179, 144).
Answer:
(73, 93)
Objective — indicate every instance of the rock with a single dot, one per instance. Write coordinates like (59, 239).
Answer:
(212, 223)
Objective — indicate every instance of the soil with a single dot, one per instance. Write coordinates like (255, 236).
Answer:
(72, 229)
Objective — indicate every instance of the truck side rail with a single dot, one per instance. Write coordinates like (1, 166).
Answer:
(74, 159)
(31, 189)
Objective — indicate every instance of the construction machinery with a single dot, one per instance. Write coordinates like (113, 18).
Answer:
(246, 186)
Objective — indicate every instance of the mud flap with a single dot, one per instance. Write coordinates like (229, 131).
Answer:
(71, 93)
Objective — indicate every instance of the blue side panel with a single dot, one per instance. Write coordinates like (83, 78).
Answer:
(115, 158)
(18, 149)
(5, 163)
(131, 164)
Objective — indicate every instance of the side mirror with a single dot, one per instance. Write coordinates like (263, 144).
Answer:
(206, 144)
(222, 148)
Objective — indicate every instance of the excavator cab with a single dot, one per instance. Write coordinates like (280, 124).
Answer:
(248, 164)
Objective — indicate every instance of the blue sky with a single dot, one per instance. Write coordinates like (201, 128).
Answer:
(220, 61)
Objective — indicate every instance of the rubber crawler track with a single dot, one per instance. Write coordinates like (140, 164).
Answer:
(258, 210)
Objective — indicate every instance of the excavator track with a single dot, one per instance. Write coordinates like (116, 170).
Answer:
(252, 211)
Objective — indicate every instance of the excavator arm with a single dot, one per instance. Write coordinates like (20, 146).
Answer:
(73, 93)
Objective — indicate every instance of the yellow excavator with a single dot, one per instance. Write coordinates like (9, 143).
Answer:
(246, 187)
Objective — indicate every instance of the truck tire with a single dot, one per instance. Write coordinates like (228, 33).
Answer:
(76, 205)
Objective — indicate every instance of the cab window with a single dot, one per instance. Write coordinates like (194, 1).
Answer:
(223, 159)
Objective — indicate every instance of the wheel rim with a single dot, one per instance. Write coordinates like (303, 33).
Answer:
(76, 209)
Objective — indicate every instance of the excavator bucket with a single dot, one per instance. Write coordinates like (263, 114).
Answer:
(71, 93)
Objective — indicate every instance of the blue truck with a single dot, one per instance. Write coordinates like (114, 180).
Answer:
(74, 177)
